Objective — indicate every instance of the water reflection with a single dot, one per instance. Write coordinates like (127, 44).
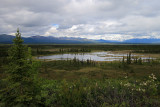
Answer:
(96, 56)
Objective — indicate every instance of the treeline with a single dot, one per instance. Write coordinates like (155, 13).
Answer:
(42, 49)
(101, 47)
(68, 64)
(147, 51)
(74, 50)
(88, 48)
(138, 60)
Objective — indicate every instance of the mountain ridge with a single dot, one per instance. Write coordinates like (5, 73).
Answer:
(7, 39)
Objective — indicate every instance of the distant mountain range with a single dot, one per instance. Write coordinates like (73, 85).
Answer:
(7, 39)
(144, 41)
(132, 41)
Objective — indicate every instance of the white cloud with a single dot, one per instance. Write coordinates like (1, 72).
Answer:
(51, 31)
(94, 19)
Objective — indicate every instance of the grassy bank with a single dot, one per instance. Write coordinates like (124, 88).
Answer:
(71, 69)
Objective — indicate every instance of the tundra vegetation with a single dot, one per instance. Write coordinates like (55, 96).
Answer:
(26, 81)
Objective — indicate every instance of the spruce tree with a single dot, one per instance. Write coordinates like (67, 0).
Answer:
(22, 87)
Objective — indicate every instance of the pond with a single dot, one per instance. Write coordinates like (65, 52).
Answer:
(96, 56)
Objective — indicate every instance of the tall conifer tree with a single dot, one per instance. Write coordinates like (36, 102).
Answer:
(22, 87)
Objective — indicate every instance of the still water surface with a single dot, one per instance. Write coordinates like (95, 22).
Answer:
(96, 56)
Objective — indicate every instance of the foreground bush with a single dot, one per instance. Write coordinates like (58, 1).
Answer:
(104, 93)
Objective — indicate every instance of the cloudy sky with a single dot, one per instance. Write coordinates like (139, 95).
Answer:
(92, 19)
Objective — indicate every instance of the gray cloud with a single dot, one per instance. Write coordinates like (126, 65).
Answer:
(94, 19)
